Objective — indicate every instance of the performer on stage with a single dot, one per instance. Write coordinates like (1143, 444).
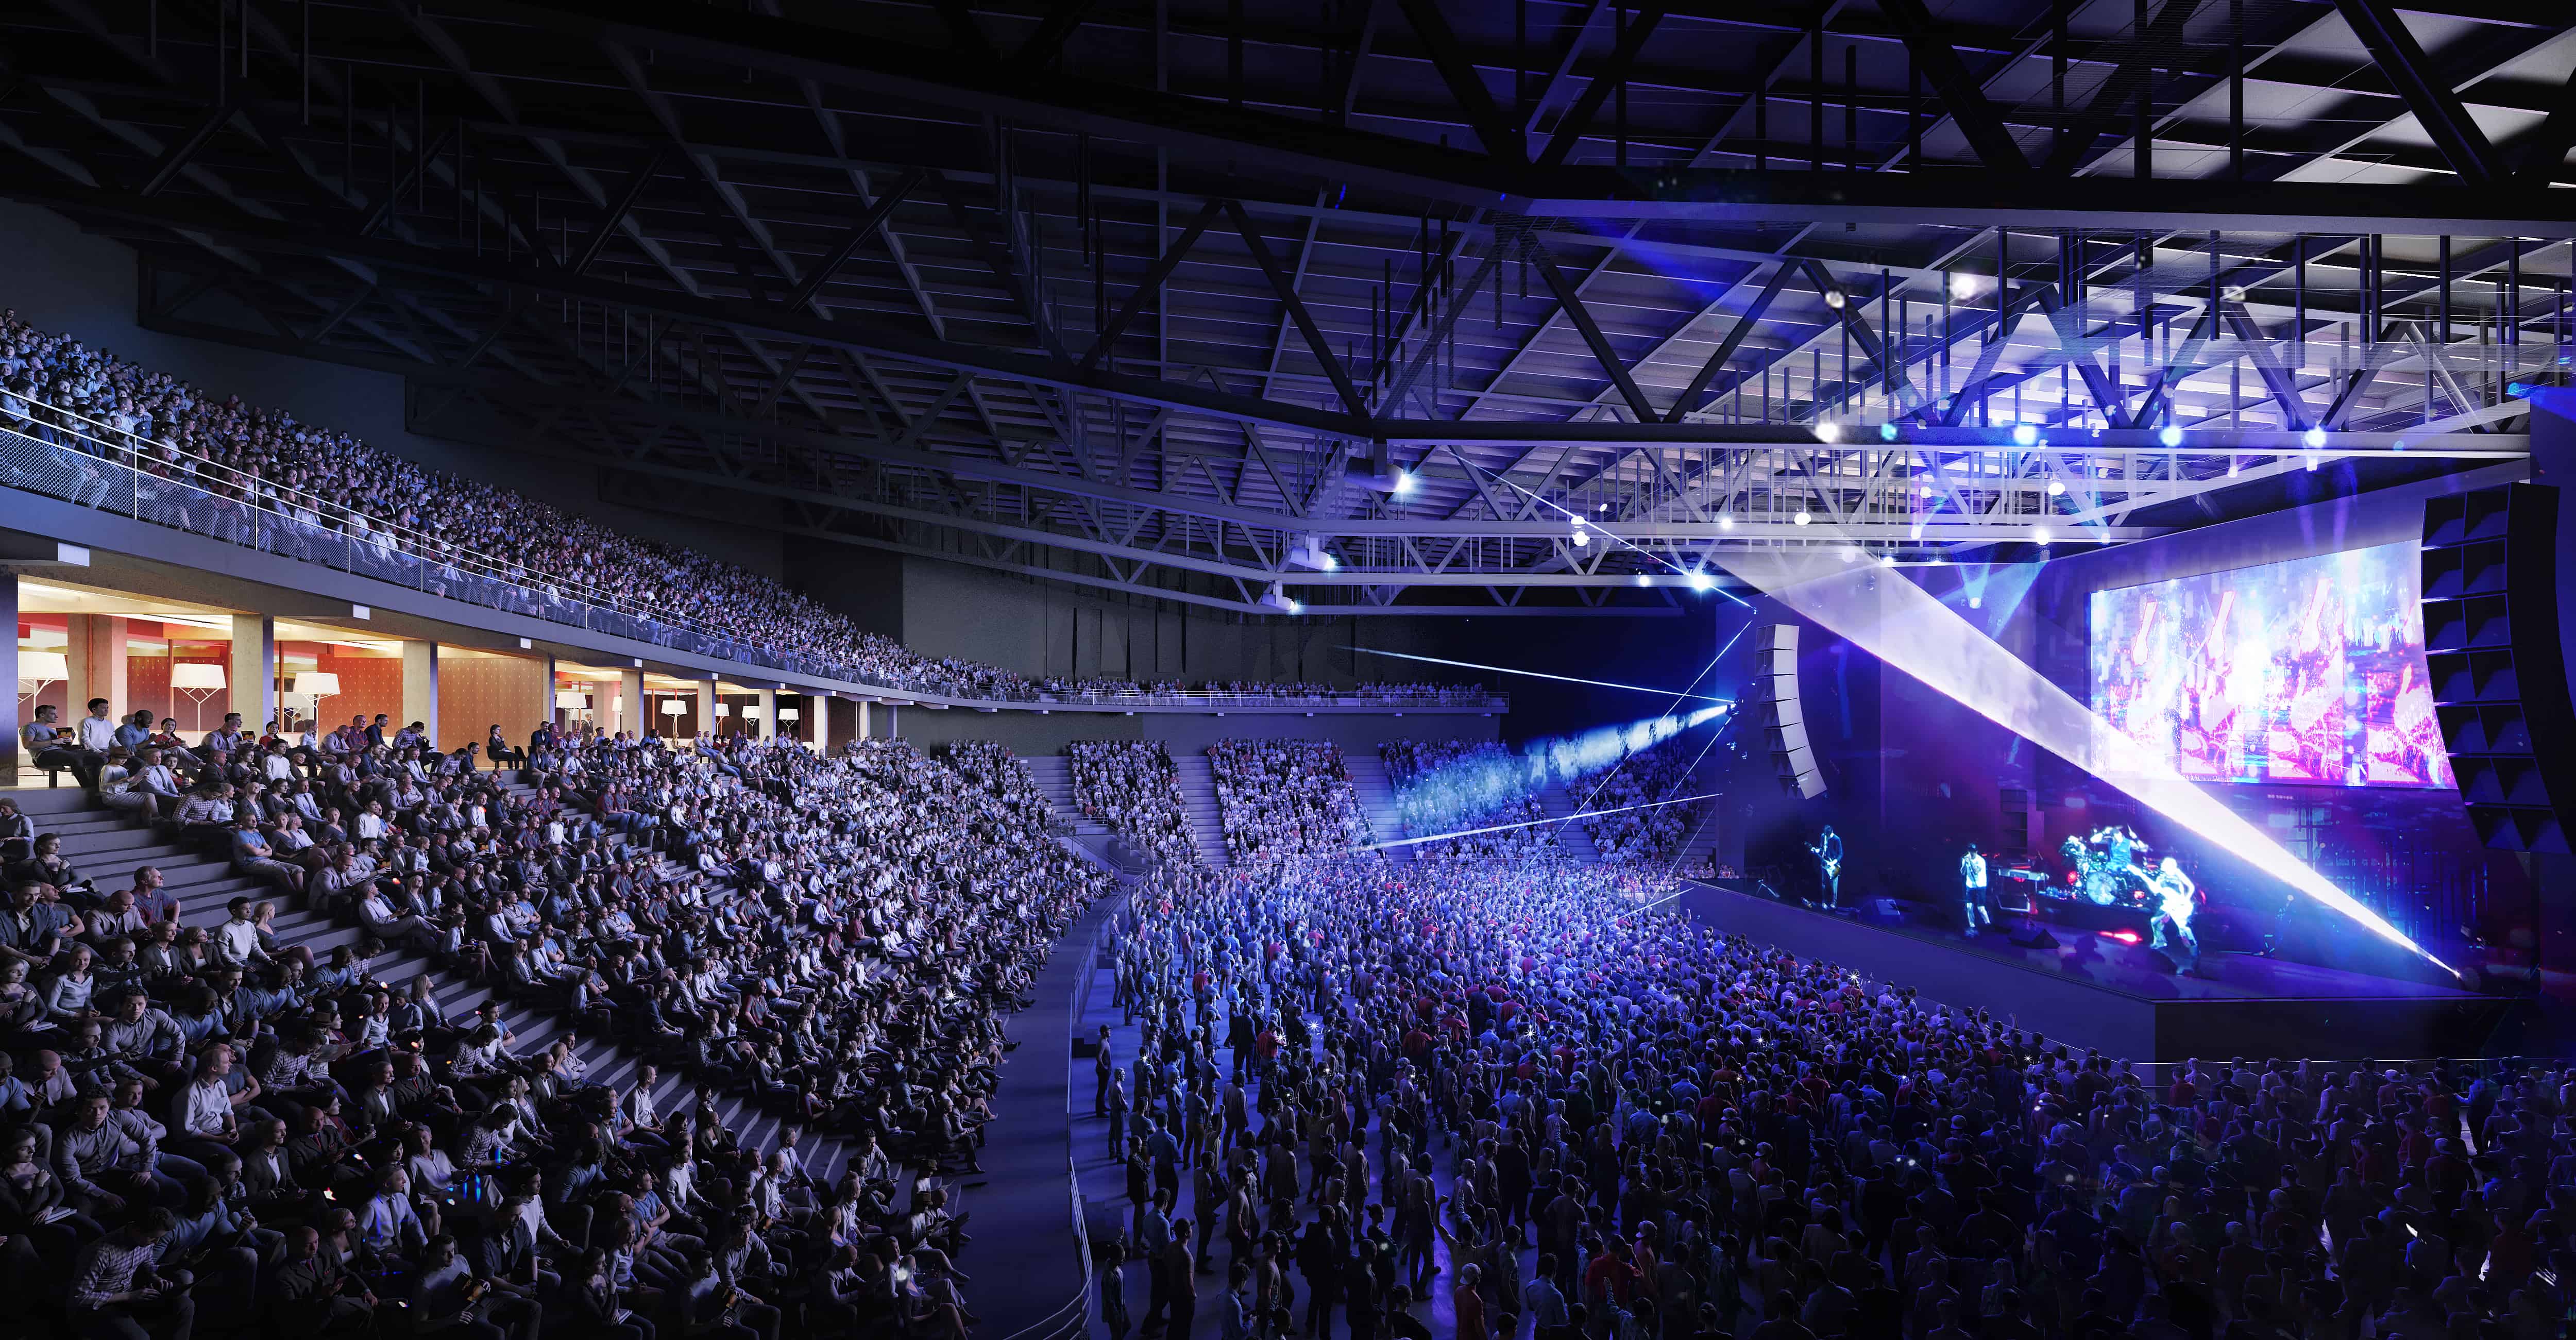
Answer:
(1828, 848)
(1975, 908)
(2175, 905)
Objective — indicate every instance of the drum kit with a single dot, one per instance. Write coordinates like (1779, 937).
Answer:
(2106, 869)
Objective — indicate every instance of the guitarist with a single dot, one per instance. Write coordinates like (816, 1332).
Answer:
(1828, 848)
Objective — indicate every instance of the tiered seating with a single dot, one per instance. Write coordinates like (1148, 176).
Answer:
(1132, 786)
(1657, 772)
(1284, 797)
(1448, 786)
(813, 944)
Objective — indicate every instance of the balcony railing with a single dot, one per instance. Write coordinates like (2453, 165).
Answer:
(65, 455)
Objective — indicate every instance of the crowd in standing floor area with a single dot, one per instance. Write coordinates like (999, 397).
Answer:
(1495, 1097)
(205, 1126)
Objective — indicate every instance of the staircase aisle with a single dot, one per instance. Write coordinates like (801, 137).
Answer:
(1054, 775)
(1198, 802)
(1559, 802)
(1376, 793)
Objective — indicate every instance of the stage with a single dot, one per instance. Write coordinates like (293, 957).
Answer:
(2089, 990)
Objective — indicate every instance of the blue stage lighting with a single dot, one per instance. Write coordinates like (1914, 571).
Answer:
(2171, 436)
(1887, 432)
(2024, 435)
(2315, 437)
(1535, 674)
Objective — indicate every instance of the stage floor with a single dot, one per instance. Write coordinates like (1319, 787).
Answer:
(2093, 991)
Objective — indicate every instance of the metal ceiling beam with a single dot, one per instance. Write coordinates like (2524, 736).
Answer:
(2437, 108)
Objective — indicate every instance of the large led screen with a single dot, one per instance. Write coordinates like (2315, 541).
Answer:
(2306, 671)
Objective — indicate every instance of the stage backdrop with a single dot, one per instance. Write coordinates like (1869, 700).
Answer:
(2309, 671)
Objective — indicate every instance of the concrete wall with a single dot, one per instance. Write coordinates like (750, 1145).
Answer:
(1042, 628)
(63, 280)
(1182, 733)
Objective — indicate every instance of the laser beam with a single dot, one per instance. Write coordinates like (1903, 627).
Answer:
(1533, 823)
(1536, 674)
(1906, 627)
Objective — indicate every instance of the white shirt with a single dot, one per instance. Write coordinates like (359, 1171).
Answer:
(97, 733)
(1972, 870)
(200, 1109)
(237, 941)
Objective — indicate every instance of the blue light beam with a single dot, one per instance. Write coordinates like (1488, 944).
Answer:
(1535, 674)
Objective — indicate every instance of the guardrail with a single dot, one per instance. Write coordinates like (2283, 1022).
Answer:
(1074, 1316)
(79, 462)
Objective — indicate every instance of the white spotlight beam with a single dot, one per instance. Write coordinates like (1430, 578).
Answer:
(1533, 823)
(1903, 625)
(1535, 674)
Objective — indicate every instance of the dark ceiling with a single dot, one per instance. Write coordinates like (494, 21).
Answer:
(1142, 297)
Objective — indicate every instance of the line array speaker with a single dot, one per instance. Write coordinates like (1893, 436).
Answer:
(1783, 722)
(2490, 567)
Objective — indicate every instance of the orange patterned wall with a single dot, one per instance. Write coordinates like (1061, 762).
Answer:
(475, 692)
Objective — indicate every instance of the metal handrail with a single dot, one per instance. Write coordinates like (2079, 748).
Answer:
(63, 461)
(256, 512)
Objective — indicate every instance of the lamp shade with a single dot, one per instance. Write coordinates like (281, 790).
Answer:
(573, 702)
(184, 675)
(789, 714)
(751, 710)
(44, 665)
(317, 684)
(724, 710)
(672, 707)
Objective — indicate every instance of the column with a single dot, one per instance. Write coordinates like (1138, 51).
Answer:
(250, 680)
(707, 706)
(546, 684)
(420, 686)
(863, 720)
(631, 706)
(9, 666)
(768, 711)
(97, 659)
(894, 721)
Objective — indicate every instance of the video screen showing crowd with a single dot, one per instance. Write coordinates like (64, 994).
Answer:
(2109, 869)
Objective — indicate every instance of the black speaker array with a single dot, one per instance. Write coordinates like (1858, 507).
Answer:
(1782, 720)
(2499, 674)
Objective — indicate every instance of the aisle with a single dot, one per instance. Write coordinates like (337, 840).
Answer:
(1022, 1261)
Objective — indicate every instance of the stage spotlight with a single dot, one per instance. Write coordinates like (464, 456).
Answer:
(1887, 432)
(1801, 518)
(1582, 537)
(1834, 299)
(1963, 286)
(1887, 560)
(2171, 436)
(1403, 482)
(2024, 435)
(1725, 522)
(2315, 437)
(1912, 631)
(1701, 581)
(2057, 488)
(2039, 535)
(1644, 580)
(1829, 432)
